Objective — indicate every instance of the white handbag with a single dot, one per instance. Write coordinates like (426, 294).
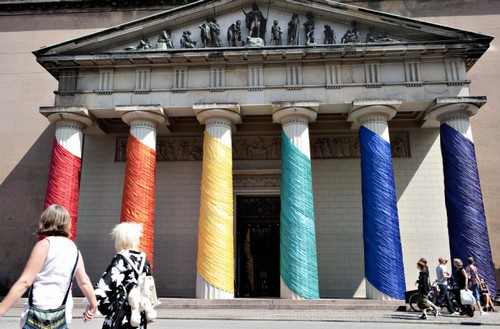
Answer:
(466, 297)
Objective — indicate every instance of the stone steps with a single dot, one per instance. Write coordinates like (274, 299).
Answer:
(284, 304)
(266, 304)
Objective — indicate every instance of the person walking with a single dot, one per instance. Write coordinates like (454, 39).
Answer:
(423, 290)
(120, 277)
(463, 283)
(442, 276)
(472, 273)
(49, 269)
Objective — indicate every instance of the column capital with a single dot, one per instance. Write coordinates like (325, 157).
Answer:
(207, 111)
(363, 110)
(152, 113)
(444, 107)
(80, 115)
(299, 109)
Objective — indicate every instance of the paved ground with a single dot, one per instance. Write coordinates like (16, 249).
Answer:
(289, 319)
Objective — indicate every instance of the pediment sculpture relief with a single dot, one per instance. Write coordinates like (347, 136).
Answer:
(256, 26)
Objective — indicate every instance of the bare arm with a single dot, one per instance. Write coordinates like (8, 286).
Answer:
(33, 266)
(85, 285)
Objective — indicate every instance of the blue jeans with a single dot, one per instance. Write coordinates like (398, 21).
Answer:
(444, 296)
(475, 292)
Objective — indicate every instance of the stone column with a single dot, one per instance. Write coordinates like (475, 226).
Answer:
(467, 228)
(384, 269)
(298, 257)
(63, 185)
(138, 200)
(215, 263)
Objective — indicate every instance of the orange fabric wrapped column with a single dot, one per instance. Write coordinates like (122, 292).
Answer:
(63, 185)
(215, 263)
(138, 200)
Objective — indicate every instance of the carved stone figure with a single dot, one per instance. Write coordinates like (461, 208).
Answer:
(215, 32)
(257, 150)
(399, 148)
(210, 31)
(121, 150)
(186, 41)
(293, 30)
(256, 22)
(330, 37)
(255, 42)
(164, 41)
(325, 148)
(234, 35)
(206, 36)
(309, 29)
(276, 33)
(372, 37)
(350, 37)
(144, 44)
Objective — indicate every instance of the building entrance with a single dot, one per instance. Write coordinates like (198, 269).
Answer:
(258, 246)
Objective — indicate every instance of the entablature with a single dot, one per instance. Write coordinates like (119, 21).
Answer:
(56, 63)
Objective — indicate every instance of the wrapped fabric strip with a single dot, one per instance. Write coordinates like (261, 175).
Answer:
(467, 229)
(298, 260)
(382, 241)
(215, 236)
(64, 182)
(138, 201)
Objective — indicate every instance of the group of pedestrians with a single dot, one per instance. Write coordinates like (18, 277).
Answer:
(55, 259)
(466, 279)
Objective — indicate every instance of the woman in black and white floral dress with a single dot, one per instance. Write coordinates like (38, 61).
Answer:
(120, 277)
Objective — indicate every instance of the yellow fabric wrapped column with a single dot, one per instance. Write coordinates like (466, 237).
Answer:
(215, 263)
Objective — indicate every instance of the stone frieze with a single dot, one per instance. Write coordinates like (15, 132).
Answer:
(333, 146)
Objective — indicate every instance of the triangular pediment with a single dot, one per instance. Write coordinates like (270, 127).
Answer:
(357, 32)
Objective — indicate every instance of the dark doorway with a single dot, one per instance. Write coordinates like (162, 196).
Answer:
(258, 246)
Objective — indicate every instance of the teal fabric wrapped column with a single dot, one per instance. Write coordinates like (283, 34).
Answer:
(384, 269)
(298, 258)
(467, 227)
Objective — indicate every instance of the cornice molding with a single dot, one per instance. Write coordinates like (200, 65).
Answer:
(68, 6)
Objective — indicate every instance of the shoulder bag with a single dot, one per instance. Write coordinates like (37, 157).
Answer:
(49, 319)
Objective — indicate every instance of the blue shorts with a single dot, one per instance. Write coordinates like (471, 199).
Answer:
(475, 292)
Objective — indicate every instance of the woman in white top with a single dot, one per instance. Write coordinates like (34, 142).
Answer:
(50, 266)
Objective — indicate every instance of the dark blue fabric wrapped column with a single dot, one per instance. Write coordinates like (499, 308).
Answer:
(467, 228)
(384, 268)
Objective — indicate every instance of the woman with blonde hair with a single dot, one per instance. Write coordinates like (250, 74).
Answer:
(463, 284)
(120, 277)
(53, 261)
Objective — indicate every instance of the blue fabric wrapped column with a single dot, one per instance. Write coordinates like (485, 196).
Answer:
(384, 269)
(298, 257)
(467, 229)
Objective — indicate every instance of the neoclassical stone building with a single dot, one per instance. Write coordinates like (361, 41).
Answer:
(275, 149)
